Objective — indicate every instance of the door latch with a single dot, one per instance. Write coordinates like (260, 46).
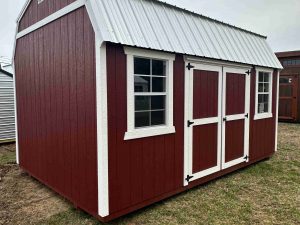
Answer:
(247, 115)
(189, 123)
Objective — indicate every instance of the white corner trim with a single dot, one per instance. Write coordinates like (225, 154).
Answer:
(77, 4)
(261, 116)
(102, 130)
(269, 114)
(16, 117)
(277, 107)
(132, 132)
(149, 132)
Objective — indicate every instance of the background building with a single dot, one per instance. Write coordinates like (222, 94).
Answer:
(289, 101)
(7, 115)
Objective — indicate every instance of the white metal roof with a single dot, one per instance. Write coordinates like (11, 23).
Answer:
(160, 26)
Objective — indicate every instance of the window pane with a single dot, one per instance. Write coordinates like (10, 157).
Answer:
(266, 87)
(141, 84)
(261, 77)
(158, 118)
(158, 67)
(260, 98)
(158, 102)
(265, 98)
(142, 119)
(260, 87)
(266, 107)
(158, 84)
(142, 103)
(266, 77)
(141, 66)
(261, 107)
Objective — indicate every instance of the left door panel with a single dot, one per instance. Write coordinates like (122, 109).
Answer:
(203, 96)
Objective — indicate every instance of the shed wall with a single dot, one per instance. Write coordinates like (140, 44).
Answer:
(7, 115)
(292, 71)
(146, 170)
(36, 12)
(56, 103)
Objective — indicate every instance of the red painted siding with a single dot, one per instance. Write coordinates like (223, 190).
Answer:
(144, 168)
(56, 98)
(262, 132)
(36, 12)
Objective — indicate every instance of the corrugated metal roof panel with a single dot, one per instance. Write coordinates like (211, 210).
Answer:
(160, 26)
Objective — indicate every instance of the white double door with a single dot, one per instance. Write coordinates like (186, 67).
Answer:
(217, 119)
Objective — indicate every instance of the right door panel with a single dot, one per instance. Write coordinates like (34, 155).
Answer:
(235, 135)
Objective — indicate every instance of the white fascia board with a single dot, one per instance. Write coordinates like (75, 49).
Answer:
(23, 10)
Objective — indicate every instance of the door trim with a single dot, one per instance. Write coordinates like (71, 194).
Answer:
(188, 115)
(224, 164)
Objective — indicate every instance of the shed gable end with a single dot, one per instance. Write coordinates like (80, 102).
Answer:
(36, 10)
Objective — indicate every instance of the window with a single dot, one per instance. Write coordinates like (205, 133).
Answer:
(149, 93)
(291, 62)
(263, 106)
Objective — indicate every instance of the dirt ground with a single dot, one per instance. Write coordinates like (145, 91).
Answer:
(24, 200)
(265, 193)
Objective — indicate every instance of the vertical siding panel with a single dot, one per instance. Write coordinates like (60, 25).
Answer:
(179, 119)
(159, 161)
(58, 106)
(91, 160)
(37, 102)
(112, 128)
(81, 113)
(67, 153)
(73, 100)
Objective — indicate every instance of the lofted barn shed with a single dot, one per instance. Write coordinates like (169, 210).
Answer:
(121, 104)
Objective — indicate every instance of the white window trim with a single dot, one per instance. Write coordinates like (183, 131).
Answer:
(269, 114)
(132, 132)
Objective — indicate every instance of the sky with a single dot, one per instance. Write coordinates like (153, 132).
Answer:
(279, 20)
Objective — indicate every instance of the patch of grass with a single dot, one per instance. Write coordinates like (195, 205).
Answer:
(7, 155)
(264, 193)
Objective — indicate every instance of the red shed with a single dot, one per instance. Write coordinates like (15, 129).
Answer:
(289, 87)
(121, 104)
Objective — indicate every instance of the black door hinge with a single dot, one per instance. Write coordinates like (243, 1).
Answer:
(248, 72)
(224, 119)
(188, 178)
(189, 123)
(247, 115)
(246, 157)
(189, 66)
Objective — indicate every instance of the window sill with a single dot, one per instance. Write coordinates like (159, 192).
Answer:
(263, 116)
(148, 132)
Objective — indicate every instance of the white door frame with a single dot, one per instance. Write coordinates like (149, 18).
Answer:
(245, 116)
(188, 116)
(188, 131)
